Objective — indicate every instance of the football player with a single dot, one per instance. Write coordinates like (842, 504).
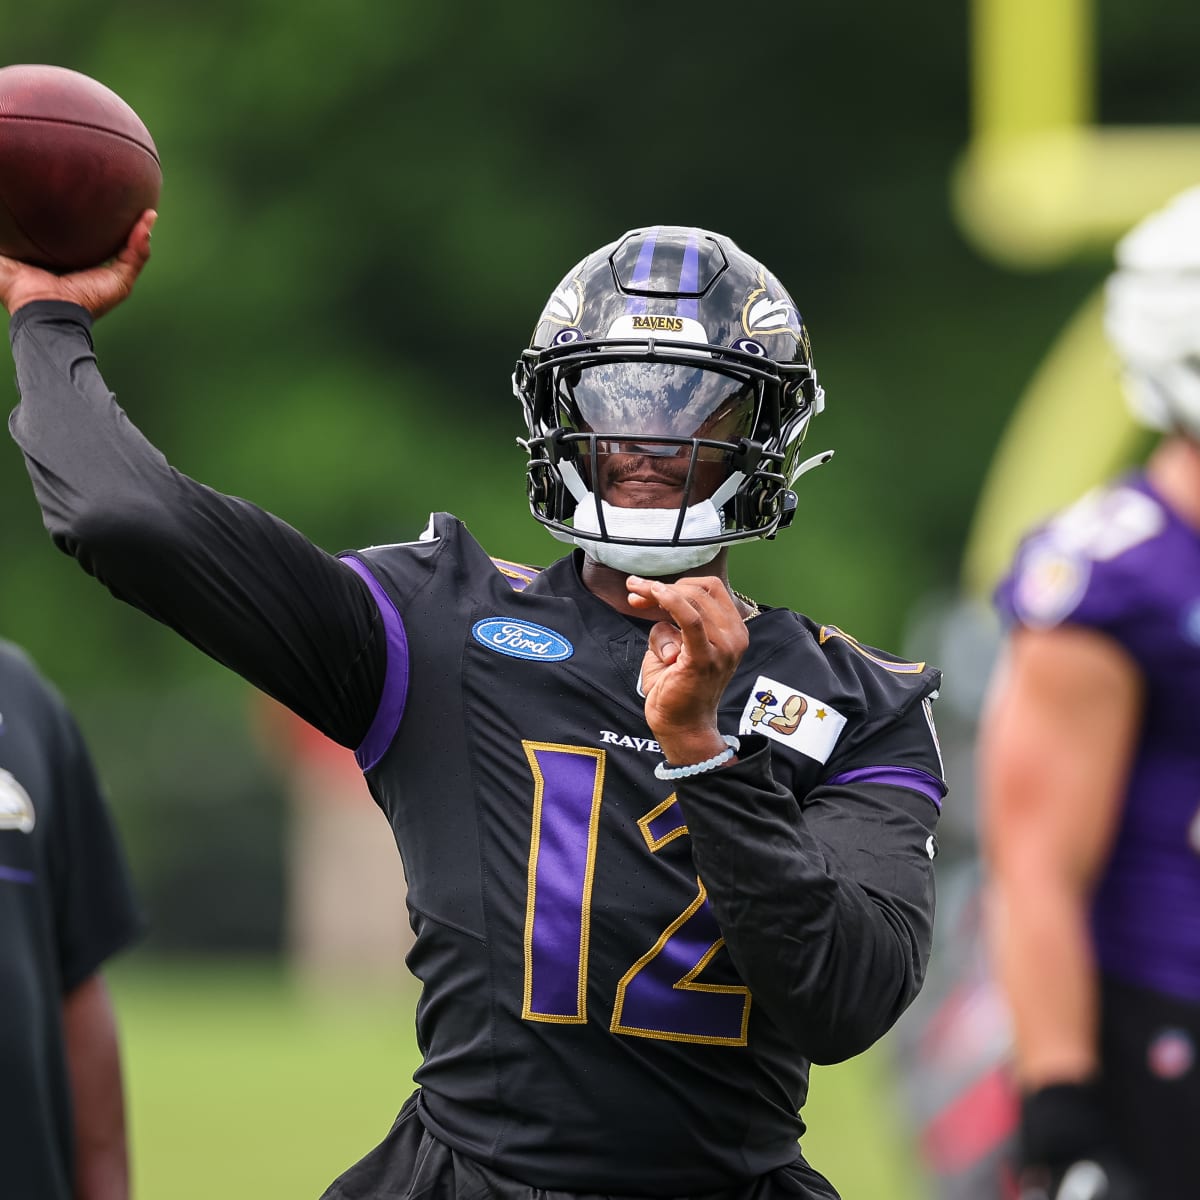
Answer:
(66, 908)
(1091, 756)
(642, 907)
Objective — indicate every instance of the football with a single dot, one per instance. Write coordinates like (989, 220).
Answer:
(77, 168)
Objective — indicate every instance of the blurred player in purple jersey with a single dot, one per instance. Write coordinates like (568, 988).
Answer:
(1090, 777)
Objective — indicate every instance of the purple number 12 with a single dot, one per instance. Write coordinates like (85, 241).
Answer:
(660, 995)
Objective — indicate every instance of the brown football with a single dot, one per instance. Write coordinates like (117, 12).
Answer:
(77, 168)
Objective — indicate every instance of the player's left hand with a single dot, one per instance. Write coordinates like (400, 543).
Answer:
(98, 289)
(689, 662)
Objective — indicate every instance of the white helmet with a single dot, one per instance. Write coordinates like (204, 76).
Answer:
(1152, 315)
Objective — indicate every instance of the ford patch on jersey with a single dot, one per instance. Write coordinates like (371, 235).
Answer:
(521, 639)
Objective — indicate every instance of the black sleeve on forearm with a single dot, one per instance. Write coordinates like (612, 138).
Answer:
(826, 909)
(236, 581)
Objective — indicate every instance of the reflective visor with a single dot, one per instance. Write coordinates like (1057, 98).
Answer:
(624, 400)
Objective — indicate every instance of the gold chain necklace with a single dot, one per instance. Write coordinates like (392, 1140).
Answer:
(755, 611)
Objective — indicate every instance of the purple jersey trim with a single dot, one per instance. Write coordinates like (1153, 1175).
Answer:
(518, 575)
(395, 680)
(932, 788)
(16, 875)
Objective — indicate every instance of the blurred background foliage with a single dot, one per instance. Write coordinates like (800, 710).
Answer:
(365, 206)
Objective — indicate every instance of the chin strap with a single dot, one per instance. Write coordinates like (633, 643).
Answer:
(573, 480)
(656, 525)
(646, 534)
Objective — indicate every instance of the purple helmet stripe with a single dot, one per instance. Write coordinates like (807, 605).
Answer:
(689, 278)
(395, 680)
(932, 788)
(16, 875)
(641, 273)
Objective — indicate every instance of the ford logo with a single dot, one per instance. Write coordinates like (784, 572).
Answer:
(521, 639)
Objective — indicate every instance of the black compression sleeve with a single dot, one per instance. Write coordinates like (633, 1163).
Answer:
(234, 580)
(827, 910)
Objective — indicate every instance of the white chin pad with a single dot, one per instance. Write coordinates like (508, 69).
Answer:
(648, 525)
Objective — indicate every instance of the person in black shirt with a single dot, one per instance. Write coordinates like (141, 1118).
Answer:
(66, 907)
(665, 847)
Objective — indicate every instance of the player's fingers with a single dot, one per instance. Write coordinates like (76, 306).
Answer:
(709, 595)
(103, 288)
(664, 642)
(139, 238)
(679, 605)
(134, 255)
(706, 583)
(704, 611)
(673, 598)
(647, 593)
(640, 591)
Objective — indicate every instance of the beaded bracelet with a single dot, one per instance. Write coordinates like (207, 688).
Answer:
(732, 746)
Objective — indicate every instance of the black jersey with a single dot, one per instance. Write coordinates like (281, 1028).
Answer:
(624, 981)
(66, 905)
(649, 966)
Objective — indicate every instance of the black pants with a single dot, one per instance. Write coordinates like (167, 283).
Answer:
(1150, 1056)
(410, 1164)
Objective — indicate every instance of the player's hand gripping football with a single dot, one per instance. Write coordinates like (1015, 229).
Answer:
(98, 289)
(689, 662)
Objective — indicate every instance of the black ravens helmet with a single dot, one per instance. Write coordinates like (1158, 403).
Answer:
(668, 343)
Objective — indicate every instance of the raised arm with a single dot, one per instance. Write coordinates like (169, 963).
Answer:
(234, 580)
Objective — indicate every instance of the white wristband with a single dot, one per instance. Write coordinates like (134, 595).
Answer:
(732, 746)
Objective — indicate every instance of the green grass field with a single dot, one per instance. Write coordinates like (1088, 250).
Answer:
(243, 1085)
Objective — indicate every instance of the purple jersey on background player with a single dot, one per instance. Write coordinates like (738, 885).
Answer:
(1121, 562)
